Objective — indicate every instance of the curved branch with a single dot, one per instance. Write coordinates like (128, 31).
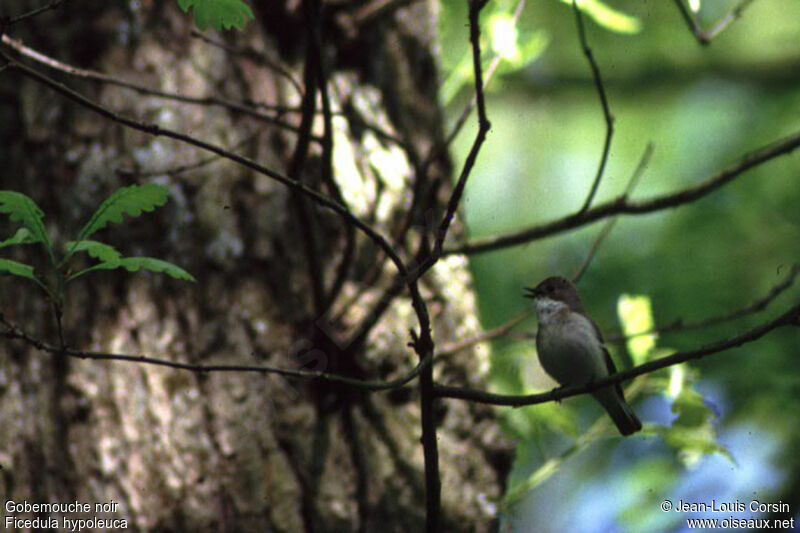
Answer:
(758, 305)
(621, 204)
(92, 75)
(601, 92)
(35, 12)
(609, 225)
(14, 332)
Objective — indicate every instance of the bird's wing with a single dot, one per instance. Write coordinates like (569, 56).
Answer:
(611, 370)
(607, 356)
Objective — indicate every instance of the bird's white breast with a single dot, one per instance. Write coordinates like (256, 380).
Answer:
(567, 343)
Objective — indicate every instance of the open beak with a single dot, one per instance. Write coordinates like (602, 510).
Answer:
(531, 292)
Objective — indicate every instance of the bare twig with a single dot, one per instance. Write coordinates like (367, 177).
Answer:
(465, 113)
(14, 332)
(253, 55)
(178, 169)
(239, 107)
(499, 331)
(789, 318)
(735, 13)
(327, 173)
(759, 305)
(609, 225)
(601, 92)
(484, 126)
(622, 205)
(35, 12)
(705, 37)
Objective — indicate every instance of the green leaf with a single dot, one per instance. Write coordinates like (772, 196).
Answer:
(608, 17)
(692, 434)
(8, 266)
(636, 315)
(130, 201)
(218, 14)
(98, 250)
(133, 264)
(22, 236)
(22, 209)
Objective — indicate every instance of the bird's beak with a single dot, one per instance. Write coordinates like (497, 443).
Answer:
(532, 292)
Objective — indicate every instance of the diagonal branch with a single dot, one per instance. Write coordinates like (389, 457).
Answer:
(251, 54)
(499, 331)
(462, 119)
(35, 12)
(759, 305)
(601, 92)
(239, 107)
(622, 205)
(704, 37)
(609, 225)
(484, 126)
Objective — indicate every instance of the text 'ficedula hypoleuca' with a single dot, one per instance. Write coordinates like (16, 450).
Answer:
(571, 348)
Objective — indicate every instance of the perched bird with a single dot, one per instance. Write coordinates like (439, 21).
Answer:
(571, 348)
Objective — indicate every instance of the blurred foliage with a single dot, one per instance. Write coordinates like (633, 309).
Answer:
(704, 108)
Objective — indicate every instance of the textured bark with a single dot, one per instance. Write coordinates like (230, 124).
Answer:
(181, 451)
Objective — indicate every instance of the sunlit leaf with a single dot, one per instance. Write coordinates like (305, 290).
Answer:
(131, 201)
(218, 14)
(636, 316)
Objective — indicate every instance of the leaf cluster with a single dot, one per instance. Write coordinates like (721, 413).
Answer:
(132, 201)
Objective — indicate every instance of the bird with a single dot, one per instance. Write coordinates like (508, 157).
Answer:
(571, 350)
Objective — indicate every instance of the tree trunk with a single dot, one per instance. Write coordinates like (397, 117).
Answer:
(175, 450)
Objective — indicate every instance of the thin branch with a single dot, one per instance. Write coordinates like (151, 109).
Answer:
(609, 225)
(178, 169)
(465, 113)
(35, 12)
(759, 305)
(705, 37)
(14, 332)
(253, 55)
(484, 126)
(789, 318)
(609, 119)
(689, 20)
(358, 459)
(376, 420)
(621, 204)
(500, 331)
(297, 163)
(239, 107)
(735, 13)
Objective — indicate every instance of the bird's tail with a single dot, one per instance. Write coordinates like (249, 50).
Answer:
(618, 409)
